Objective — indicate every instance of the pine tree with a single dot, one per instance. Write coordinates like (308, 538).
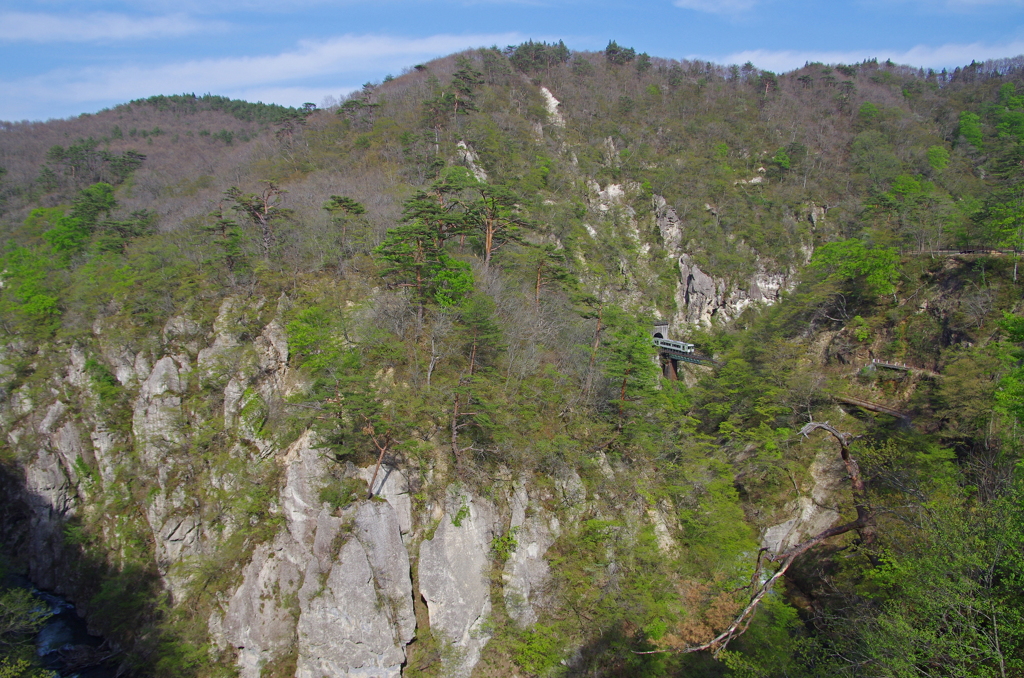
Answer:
(342, 210)
(261, 210)
(495, 215)
(629, 363)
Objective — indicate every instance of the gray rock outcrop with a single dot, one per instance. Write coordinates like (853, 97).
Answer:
(527, 574)
(256, 624)
(351, 610)
(701, 297)
(392, 485)
(358, 620)
(453, 578)
(811, 513)
(158, 424)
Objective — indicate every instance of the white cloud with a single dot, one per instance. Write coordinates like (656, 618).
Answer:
(37, 27)
(717, 6)
(961, 4)
(924, 56)
(305, 69)
(943, 6)
(292, 7)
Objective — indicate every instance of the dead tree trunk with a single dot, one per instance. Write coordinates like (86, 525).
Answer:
(864, 524)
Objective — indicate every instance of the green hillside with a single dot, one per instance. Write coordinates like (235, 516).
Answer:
(467, 261)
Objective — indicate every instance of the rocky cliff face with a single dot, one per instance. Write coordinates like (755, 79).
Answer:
(331, 591)
(701, 298)
(334, 589)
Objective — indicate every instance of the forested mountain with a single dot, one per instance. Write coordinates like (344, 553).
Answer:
(370, 389)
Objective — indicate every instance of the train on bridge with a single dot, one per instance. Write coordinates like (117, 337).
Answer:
(674, 352)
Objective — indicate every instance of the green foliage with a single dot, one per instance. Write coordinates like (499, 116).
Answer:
(314, 336)
(117, 236)
(781, 158)
(860, 328)
(546, 267)
(873, 155)
(122, 600)
(340, 494)
(1006, 217)
(338, 204)
(453, 283)
(581, 66)
(538, 649)
(643, 63)
(458, 99)
(457, 205)
(190, 104)
(714, 530)
(948, 566)
(261, 210)
(103, 381)
(87, 473)
(530, 56)
(628, 363)
(851, 260)
(122, 166)
(503, 546)
(938, 157)
(19, 667)
(82, 162)
(347, 213)
(460, 323)
(28, 295)
(21, 616)
(1010, 395)
(969, 129)
(228, 237)
(617, 55)
(461, 514)
(867, 114)
(71, 234)
(775, 645)
(465, 81)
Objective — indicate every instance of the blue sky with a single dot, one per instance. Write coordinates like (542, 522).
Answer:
(59, 58)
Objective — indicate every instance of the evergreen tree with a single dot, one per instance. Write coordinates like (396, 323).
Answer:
(73, 232)
(617, 55)
(629, 363)
(494, 214)
(343, 210)
(261, 210)
(227, 236)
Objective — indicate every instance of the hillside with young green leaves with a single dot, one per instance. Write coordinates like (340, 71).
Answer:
(219, 319)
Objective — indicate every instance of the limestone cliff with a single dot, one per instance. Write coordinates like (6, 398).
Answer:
(321, 589)
(334, 589)
(702, 298)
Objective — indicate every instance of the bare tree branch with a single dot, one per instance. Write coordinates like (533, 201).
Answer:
(864, 524)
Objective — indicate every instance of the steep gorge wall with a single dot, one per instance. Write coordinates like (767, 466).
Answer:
(700, 298)
(333, 588)
(333, 591)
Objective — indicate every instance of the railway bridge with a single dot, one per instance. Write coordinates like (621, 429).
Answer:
(674, 352)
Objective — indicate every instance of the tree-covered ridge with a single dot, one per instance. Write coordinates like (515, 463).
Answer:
(463, 291)
(190, 104)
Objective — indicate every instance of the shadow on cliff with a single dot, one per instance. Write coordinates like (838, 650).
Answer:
(126, 605)
(619, 652)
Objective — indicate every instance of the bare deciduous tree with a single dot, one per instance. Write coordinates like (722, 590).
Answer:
(760, 585)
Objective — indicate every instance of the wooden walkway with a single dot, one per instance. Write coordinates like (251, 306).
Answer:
(903, 367)
(873, 407)
(966, 251)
